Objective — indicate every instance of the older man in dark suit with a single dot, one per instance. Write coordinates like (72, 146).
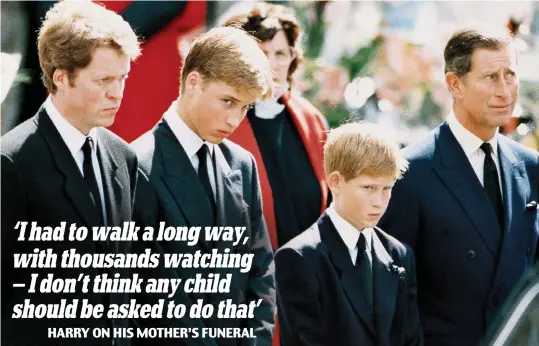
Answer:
(62, 166)
(468, 205)
(199, 178)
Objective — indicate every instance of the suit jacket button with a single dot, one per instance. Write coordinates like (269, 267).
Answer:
(490, 304)
(471, 254)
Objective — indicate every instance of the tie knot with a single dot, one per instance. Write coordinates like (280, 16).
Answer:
(203, 152)
(487, 148)
(87, 146)
(361, 242)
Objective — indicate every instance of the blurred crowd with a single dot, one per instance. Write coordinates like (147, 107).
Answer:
(376, 61)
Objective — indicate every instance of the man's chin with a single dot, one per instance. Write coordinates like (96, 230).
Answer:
(214, 140)
(106, 122)
(497, 120)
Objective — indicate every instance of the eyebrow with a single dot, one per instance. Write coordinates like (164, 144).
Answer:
(110, 75)
(491, 71)
(511, 70)
(231, 98)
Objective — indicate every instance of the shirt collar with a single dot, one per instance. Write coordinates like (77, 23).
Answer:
(469, 142)
(268, 109)
(348, 233)
(189, 140)
(73, 138)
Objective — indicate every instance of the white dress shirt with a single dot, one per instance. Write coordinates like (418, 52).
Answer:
(74, 139)
(471, 144)
(189, 140)
(350, 234)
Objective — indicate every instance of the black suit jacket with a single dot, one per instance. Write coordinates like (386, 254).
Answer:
(319, 292)
(42, 183)
(173, 193)
(465, 269)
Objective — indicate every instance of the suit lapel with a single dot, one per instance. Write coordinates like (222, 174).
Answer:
(230, 207)
(182, 181)
(111, 184)
(457, 174)
(386, 284)
(112, 188)
(74, 185)
(349, 277)
(514, 187)
(513, 195)
(229, 200)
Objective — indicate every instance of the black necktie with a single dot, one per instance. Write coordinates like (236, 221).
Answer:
(203, 155)
(91, 181)
(89, 176)
(492, 184)
(363, 264)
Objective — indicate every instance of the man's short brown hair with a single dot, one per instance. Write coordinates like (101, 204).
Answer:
(73, 30)
(264, 21)
(459, 49)
(231, 56)
(363, 149)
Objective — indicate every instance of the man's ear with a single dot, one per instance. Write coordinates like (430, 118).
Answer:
(193, 80)
(60, 78)
(455, 84)
(334, 180)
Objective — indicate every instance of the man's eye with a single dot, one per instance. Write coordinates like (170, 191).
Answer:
(227, 102)
(511, 75)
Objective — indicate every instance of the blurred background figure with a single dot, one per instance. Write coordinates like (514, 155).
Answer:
(286, 133)
(15, 36)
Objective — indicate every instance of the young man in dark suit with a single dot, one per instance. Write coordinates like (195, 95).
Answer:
(468, 205)
(343, 281)
(63, 166)
(196, 177)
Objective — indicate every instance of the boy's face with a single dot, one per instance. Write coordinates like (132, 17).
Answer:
(216, 109)
(363, 200)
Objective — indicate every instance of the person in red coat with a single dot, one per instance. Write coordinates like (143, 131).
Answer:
(286, 133)
(153, 79)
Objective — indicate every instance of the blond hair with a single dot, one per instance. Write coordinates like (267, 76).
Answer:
(231, 56)
(73, 30)
(363, 149)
